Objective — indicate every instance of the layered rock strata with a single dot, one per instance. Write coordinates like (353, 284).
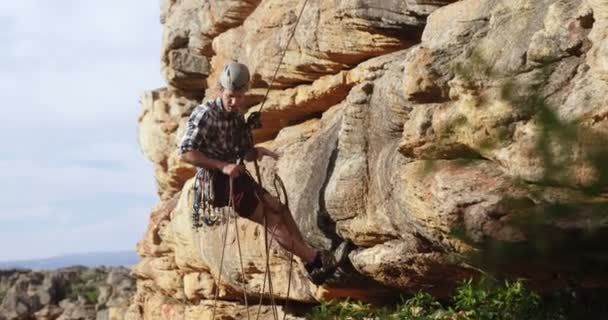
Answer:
(444, 139)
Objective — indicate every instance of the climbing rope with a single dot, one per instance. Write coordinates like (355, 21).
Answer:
(210, 219)
(278, 184)
(238, 242)
(267, 275)
(276, 71)
(256, 123)
(219, 278)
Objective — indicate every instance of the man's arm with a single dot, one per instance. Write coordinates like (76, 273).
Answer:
(259, 152)
(251, 155)
(199, 159)
(193, 140)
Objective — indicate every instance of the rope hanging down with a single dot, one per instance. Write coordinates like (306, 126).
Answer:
(283, 55)
(253, 121)
(236, 231)
(278, 185)
(254, 117)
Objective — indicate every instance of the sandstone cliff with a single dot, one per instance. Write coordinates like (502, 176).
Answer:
(446, 139)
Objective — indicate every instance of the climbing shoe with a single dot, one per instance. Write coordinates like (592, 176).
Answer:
(326, 262)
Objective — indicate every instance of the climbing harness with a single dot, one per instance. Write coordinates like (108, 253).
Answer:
(203, 199)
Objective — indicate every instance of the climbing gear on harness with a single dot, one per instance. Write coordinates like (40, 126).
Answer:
(235, 76)
(203, 197)
(196, 205)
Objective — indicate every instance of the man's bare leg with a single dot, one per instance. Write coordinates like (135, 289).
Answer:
(320, 265)
(289, 239)
(277, 206)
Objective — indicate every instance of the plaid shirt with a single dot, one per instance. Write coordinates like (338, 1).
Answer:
(217, 133)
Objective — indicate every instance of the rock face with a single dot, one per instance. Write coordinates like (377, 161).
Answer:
(445, 139)
(66, 293)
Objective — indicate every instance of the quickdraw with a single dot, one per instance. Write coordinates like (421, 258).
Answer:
(203, 197)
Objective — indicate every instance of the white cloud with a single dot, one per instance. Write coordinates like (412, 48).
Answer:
(71, 73)
(26, 181)
(40, 213)
(119, 153)
(73, 29)
(68, 61)
(122, 232)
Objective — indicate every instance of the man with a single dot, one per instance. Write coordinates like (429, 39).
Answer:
(216, 138)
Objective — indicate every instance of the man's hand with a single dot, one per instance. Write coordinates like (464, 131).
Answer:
(232, 170)
(261, 152)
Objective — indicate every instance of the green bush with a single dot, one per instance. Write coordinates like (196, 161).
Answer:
(87, 291)
(2, 293)
(87, 286)
(481, 300)
(486, 301)
(354, 310)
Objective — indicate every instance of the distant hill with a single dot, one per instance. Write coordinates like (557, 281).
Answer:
(92, 259)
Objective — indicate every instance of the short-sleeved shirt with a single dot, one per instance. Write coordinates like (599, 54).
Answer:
(221, 135)
(217, 133)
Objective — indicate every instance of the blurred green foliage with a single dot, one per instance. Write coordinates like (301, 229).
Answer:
(87, 286)
(481, 300)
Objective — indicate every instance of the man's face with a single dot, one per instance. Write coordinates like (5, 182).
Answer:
(233, 100)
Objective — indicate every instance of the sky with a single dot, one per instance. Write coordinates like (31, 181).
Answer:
(72, 176)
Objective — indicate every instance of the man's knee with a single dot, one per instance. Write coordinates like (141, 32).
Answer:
(274, 219)
(274, 204)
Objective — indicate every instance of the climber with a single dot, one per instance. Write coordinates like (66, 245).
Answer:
(216, 138)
